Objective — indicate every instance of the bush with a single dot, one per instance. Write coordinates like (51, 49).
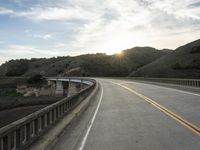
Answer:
(195, 64)
(9, 92)
(36, 79)
(195, 49)
(177, 66)
(17, 68)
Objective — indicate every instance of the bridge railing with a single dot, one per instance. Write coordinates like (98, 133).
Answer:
(21, 133)
(185, 82)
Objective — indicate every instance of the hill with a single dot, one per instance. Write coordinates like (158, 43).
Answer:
(184, 62)
(98, 64)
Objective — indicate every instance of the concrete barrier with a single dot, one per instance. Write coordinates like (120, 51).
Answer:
(184, 82)
(49, 139)
(21, 133)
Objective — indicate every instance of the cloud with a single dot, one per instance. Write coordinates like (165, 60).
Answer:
(109, 25)
(19, 51)
(194, 5)
(16, 51)
(5, 11)
(2, 42)
(108, 10)
(46, 36)
(50, 13)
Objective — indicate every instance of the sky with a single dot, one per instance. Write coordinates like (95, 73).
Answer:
(47, 28)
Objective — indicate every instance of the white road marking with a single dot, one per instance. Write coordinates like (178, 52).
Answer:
(168, 112)
(91, 122)
(171, 89)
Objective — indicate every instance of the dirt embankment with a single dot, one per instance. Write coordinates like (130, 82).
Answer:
(9, 102)
(10, 115)
(14, 108)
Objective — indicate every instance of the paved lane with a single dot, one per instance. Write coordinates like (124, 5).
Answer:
(125, 121)
(183, 103)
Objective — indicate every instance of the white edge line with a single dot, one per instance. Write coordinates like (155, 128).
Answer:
(91, 122)
(171, 89)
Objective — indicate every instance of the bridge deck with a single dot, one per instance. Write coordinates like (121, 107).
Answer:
(128, 117)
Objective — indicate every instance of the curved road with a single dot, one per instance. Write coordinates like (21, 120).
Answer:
(130, 115)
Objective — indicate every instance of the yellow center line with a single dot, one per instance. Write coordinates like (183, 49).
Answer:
(176, 117)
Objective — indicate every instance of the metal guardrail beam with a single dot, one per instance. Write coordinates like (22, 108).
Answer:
(75, 80)
(21, 133)
(185, 82)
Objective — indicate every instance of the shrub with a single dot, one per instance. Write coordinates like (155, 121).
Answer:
(195, 49)
(177, 66)
(17, 68)
(36, 79)
(9, 92)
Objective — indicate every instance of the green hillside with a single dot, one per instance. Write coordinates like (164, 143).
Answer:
(184, 62)
(98, 64)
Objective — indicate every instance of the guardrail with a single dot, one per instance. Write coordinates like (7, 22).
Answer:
(21, 133)
(185, 82)
(72, 79)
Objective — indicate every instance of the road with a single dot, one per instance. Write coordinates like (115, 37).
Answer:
(130, 115)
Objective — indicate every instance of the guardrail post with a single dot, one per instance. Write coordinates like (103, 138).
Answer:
(23, 134)
(28, 135)
(0, 145)
(45, 120)
(63, 105)
(36, 126)
(81, 84)
(58, 111)
(16, 139)
(4, 143)
(66, 106)
(54, 114)
(61, 109)
(48, 118)
(32, 129)
(9, 141)
(40, 124)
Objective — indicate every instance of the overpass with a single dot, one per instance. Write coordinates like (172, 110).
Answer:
(142, 114)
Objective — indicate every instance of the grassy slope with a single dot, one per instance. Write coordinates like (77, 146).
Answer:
(89, 64)
(184, 62)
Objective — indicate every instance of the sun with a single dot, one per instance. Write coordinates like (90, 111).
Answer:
(119, 53)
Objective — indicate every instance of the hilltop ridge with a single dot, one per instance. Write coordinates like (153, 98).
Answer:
(183, 62)
(98, 64)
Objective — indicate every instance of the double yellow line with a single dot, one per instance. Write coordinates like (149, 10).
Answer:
(176, 117)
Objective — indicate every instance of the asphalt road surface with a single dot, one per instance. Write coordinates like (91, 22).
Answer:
(130, 115)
